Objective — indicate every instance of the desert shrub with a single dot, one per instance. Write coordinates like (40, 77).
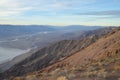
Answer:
(44, 74)
(71, 76)
(91, 68)
(31, 77)
(73, 69)
(17, 78)
(118, 78)
(62, 78)
(102, 73)
(117, 67)
(89, 74)
(56, 71)
(97, 73)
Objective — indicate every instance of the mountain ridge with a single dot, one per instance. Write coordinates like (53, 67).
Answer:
(98, 54)
(104, 56)
(30, 66)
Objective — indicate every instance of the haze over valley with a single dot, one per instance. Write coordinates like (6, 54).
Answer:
(19, 39)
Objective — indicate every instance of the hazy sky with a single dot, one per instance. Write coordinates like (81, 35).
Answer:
(60, 12)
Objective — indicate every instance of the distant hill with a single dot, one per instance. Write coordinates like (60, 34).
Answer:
(31, 36)
(79, 27)
(7, 31)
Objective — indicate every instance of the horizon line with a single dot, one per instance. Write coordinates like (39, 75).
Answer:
(58, 25)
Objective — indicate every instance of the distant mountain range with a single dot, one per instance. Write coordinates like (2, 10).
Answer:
(7, 31)
(79, 27)
(31, 36)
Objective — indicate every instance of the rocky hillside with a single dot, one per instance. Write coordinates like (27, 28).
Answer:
(57, 52)
(99, 61)
(107, 46)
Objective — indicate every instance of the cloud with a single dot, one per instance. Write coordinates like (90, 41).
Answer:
(19, 7)
(12, 8)
(58, 10)
(102, 13)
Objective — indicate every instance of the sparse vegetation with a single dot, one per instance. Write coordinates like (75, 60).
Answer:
(31, 77)
(117, 67)
(118, 78)
(62, 78)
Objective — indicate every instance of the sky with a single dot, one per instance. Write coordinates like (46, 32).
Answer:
(60, 12)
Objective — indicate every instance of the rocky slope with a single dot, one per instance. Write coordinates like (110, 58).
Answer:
(99, 61)
(56, 52)
(107, 46)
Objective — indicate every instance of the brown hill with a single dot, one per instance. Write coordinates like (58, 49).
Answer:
(104, 49)
(56, 52)
(99, 61)
(107, 46)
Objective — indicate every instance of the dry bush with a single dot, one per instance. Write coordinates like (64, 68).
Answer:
(71, 76)
(117, 67)
(31, 77)
(56, 71)
(90, 74)
(18, 78)
(91, 68)
(74, 69)
(62, 78)
(102, 73)
(118, 78)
